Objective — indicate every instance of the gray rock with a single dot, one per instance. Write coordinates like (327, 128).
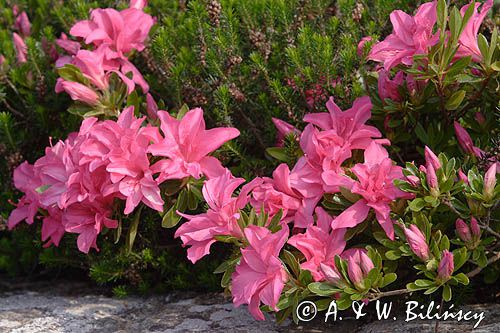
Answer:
(54, 311)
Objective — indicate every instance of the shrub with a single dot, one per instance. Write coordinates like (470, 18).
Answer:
(338, 217)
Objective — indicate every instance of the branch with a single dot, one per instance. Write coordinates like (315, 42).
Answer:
(378, 295)
(479, 269)
(491, 231)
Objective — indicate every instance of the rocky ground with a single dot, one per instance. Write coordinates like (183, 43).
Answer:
(73, 308)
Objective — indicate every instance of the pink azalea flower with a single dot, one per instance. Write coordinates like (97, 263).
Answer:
(88, 220)
(375, 185)
(387, 88)
(465, 141)
(129, 166)
(187, 143)
(21, 48)
(120, 31)
(416, 240)
(410, 36)
(275, 194)
(320, 245)
(468, 39)
(284, 129)
(220, 219)
(23, 24)
(328, 143)
(52, 227)
(25, 180)
(70, 46)
(260, 276)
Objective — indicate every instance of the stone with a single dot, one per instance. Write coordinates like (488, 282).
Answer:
(56, 310)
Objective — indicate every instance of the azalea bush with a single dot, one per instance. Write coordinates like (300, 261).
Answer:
(326, 173)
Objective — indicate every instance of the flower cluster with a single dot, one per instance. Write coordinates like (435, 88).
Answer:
(113, 35)
(79, 182)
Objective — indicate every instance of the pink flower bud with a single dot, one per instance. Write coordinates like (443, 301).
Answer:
(358, 265)
(417, 242)
(284, 129)
(446, 266)
(413, 180)
(151, 107)
(138, 4)
(431, 158)
(361, 45)
(474, 227)
(79, 92)
(490, 180)
(463, 230)
(432, 180)
(21, 48)
(462, 176)
(479, 118)
(2, 59)
(23, 24)
(465, 141)
(331, 274)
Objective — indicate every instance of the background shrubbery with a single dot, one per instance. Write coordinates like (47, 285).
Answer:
(243, 62)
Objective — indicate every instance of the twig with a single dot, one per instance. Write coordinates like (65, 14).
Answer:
(378, 295)
(491, 231)
(479, 269)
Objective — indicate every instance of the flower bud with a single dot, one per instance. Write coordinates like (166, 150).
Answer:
(23, 24)
(463, 230)
(138, 4)
(463, 177)
(431, 158)
(358, 266)
(80, 92)
(446, 266)
(413, 180)
(21, 48)
(331, 274)
(361, 45)
(417, 242)
(474, 227)
(151, 107)
(465, 141)
(284, 129)
(479, 118)
(490, 180)
(432, 180)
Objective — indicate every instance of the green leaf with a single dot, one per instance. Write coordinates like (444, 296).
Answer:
(291, 262)
(460, 256)
(278, 153)
(416, 205)
(483, 46)
(455, 100)
(182, 111)
(462, 278)
(226, 265)
(322, 289)
(393, 254)
(170, 219)
(388, 279)
(72, 73)
(132, 232)
(446, 293)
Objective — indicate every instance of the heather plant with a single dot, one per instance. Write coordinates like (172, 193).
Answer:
(340, 162)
